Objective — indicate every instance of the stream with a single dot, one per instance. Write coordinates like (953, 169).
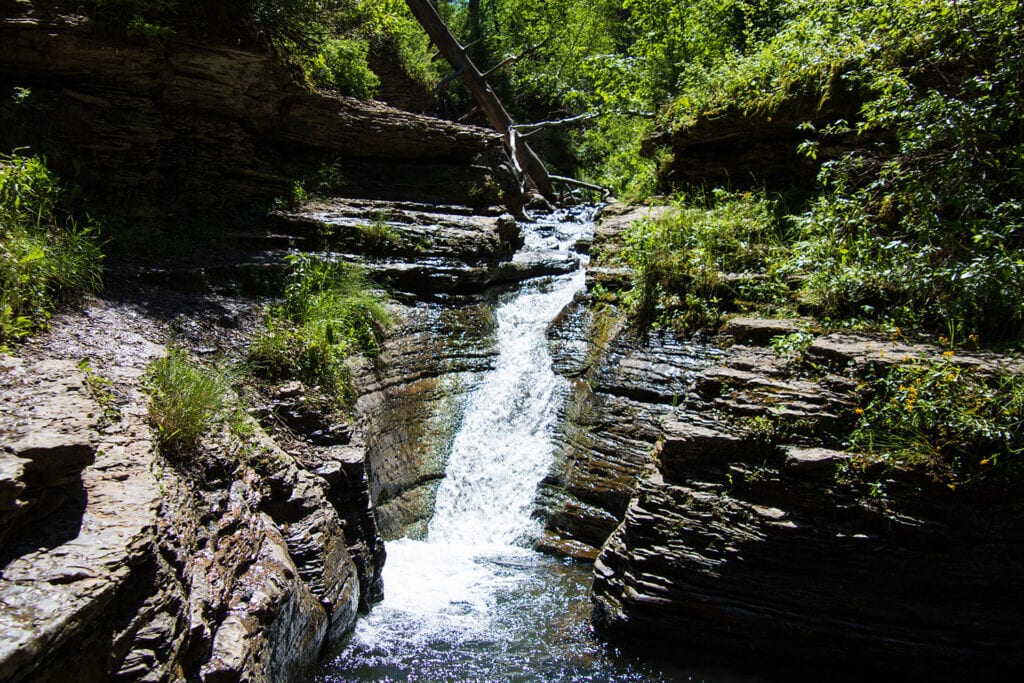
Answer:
(473, 602)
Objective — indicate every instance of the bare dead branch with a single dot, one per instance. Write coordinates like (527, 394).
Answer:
(508, 61)
(605, 192)
(530, 128)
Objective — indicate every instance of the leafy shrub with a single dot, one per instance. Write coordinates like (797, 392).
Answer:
(612, 156)
(929, 230)
(44, 253)
(922, 226)
(329, 312)
(340, 64)
(964, 425)
(186, 401)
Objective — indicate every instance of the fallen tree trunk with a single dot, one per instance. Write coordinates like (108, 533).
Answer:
(524, 157)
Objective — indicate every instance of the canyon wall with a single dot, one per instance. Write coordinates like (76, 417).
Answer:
(198, 129)
(709, 480)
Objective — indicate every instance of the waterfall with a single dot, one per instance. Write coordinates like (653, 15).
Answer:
(473, 602)
(504, 446)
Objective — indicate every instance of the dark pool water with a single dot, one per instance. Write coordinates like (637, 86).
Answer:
(489, 613)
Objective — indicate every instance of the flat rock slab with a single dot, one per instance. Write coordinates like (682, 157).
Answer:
(760, 331)
(87, 503)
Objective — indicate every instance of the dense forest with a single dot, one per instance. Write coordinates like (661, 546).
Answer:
(904, 116)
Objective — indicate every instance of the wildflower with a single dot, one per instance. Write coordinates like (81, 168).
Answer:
(859, 411)
(947, 354)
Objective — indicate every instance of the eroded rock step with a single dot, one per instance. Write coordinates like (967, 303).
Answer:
(119, 564)
(413, 249)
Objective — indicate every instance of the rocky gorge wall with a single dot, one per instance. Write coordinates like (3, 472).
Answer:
(248, 560)
(195, 128)
(445, 266)
(707, 479)
(120, 564)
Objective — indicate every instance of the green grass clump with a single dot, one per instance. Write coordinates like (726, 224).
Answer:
(329, 312)
(186, 401)
(681, 261)
(45, 254)
(963, 425)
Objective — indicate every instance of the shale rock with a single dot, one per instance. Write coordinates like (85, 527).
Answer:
(240, 562)
(738, 523)
(204, 127)
(409, 405)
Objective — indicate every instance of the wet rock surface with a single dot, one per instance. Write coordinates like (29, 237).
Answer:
(707, 478)
(247, 560)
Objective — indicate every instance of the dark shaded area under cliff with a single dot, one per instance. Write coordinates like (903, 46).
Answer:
(193, 129)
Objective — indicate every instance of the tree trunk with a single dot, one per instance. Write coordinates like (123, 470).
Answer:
(499, 119)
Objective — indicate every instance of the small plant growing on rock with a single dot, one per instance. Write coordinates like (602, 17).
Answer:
(379, 235)
(958, 422)
(102, 391)
(703, 258)
(44, 253)
(187, 400)
(329, 312)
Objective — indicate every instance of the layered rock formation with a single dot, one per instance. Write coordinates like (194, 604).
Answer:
(445, 266)
(729, 519)
(241, 563)
(246, 560)
(206, 128)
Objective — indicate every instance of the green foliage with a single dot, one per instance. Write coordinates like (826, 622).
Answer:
(390, 24)
(676, 41)
(186, 401)
(610, 153)
(340, 64)
(792, 346)
(921, 226)
(379, 235)
(326, 43)
(329, 312)
(964, 425)
(679, 260)
(929, 230)
(101, 389)
(44, 253)
(329, 41)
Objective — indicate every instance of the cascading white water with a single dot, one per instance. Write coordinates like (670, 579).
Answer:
(504, 446)
(472, 602)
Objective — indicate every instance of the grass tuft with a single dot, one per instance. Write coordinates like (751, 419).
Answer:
(186, 401)
(329, 313)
